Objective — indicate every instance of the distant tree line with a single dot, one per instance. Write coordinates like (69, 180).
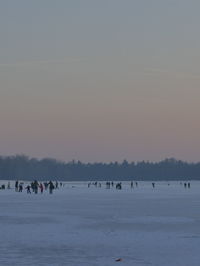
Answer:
(24, 168)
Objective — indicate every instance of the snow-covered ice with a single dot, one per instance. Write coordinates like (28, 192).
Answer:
(92, 226)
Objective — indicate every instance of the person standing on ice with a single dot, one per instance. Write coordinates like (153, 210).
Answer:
(41, 188)
(51, 187)
(16, 185)
(28, 188)
(20, 187)
(35, 185)
(8, 187)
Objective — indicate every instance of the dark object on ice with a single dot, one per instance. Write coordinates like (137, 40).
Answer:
(120, 259)
(51, 187)
(35, 186)
(45, 185)
(153, 185)
(20, 187)
(107, 185)
(16, 185)
(41, 188)
(8, 186)
(28, 188)
(189, 185)
(119, 186)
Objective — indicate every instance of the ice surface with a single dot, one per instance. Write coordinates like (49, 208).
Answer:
(92, 226)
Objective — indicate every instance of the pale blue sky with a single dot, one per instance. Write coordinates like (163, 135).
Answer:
(100, 80)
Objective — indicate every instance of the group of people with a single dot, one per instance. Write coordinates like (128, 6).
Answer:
(35, 187)
(133, 184)
(117, 185)
(39, 187)
(187, 185)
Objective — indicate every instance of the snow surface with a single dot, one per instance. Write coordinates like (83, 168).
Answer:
(92, 226)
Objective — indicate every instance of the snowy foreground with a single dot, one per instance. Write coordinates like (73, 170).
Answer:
(92, 226)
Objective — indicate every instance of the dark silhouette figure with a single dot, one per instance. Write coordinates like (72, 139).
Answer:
(16, 185)
(119, 186)
(51, 187)
(28, 189)
(41, 188)
(8, 186)
(20, 187)
(107, 185)
(35, 186)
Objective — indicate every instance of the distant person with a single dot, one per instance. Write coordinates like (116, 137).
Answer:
(153, 185)
(45, 185)
(51, 187)
(8, 186)
(131, 184)
(108, 185)
(119, 186)
(28, 189)
(35, 186)
(41, 188)
(20, 187)
(16, 185)
(189, 185)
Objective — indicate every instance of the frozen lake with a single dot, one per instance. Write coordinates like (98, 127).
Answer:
(92, 226)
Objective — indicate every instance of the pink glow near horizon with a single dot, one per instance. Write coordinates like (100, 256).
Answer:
(77, 87)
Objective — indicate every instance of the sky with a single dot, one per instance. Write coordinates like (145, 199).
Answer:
(100, 80)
